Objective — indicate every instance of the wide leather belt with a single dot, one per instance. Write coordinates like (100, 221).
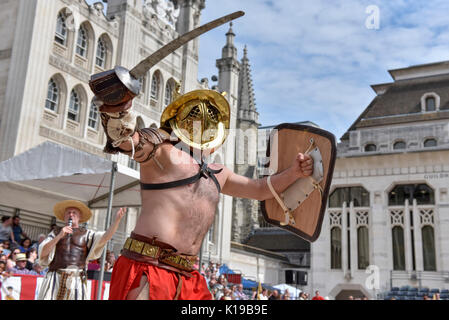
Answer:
(151, 251)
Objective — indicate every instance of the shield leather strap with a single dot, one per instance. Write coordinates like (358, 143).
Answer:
(301, 207)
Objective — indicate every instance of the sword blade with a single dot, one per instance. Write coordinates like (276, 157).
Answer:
(146, 64)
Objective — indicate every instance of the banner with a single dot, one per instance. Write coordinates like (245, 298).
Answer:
(26, 287)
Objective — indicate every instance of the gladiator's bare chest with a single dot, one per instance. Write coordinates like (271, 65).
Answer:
(205, 190)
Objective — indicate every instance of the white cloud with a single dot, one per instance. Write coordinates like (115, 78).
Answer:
(315, 60)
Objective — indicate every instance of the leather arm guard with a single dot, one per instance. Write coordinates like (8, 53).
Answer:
(120, 127)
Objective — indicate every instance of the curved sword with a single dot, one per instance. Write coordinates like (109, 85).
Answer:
(118, 86)
(145, 65)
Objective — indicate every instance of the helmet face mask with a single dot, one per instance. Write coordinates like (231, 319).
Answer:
(199, 118)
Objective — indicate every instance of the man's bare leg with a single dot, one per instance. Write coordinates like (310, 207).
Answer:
(142, 292)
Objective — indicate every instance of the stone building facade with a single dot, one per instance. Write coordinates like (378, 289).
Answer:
(387, 218)
(48, 52)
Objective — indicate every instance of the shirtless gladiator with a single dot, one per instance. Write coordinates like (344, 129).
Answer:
(179, 198)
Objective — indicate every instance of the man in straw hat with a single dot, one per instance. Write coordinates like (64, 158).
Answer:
(179, 191)
(67, 250)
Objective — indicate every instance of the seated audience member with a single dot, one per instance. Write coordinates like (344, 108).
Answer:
(31, 258)
(239, 294)
(38, 270)
(21, 262)
(11, 262)
(25, 244)
(40, 238)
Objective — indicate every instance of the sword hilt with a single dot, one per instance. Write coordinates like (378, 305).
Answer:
(114, 87)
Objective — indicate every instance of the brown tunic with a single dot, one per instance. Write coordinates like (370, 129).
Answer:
(71, 251)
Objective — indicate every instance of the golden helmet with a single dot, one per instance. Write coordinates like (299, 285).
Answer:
(199, 118)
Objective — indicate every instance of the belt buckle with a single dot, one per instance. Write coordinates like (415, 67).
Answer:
(150, 250)
(136, 246)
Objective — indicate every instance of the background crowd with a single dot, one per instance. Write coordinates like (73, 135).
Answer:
(19, 256)
(221, 289)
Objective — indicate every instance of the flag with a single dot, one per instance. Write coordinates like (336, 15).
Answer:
(259, 290)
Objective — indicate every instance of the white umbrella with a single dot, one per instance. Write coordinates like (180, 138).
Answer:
(38, 178)
(294, 292)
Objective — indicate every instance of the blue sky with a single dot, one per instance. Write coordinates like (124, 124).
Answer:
(316, 59)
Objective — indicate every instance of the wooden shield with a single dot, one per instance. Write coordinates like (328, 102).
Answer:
(286, 141)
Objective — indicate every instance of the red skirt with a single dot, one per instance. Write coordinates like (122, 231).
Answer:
(163, 283)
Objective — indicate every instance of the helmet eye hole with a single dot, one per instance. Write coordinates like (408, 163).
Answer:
(194, 114)
(213, 114)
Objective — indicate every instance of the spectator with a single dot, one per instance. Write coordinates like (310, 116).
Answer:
(234, 292)
(220, 286)
(2, 267)
(302, 296)
(11, 262)
(4, 246)
(274, 295)
(286, 295)
(25, 244)
(40, 238)
(207, 275)
(17, 229)
(203, 268)
(212, 282)
(350, 298)
(110, 260)
(21, 262)
(6, 229)
(264, 294)
(317, 296)
(239, 294)
(31, 258)
(3, 258)
(227, 294)
(436, 296)
(94, 265)
(38, 270)
(426, 297)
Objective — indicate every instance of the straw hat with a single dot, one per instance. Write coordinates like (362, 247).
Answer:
(60, 207)
(21, 257)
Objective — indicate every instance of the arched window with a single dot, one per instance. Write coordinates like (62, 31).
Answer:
(93, 117)
(370, 147)
(155, 84)
(101, 54)
(52, 100)
(168, 97)
(74, 106)
(399, 145)
(61, 30)
(421, 192)
(82, 42)
(428, 248)
(398, 248)
(362, 247)
(428, 143)
(430, 104)
(336, 248)
(358, 195)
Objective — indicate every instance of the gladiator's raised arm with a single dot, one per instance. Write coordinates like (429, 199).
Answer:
(119, 123)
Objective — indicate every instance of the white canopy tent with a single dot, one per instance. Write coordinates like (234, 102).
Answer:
(48, 173)
(38, 178)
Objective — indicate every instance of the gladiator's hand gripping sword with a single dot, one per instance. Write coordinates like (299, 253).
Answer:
(119, 85)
